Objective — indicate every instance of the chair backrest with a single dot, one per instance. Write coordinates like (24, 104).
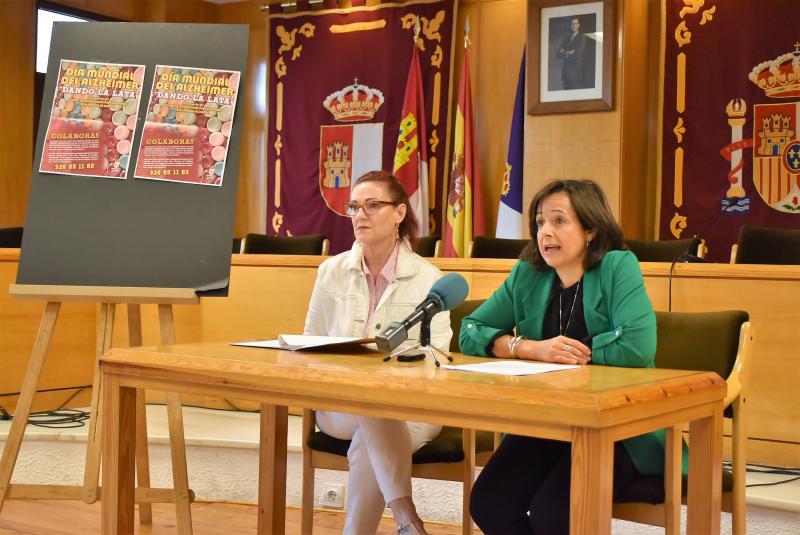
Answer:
(11, 237)
(456, 317)
(707, 341)
(663, 250)
(761, 245)
(312, 244)
(488, 247)
(426, 246)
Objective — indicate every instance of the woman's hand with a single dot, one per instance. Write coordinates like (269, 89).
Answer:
(561, 350)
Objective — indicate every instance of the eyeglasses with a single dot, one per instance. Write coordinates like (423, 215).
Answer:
(372, 206)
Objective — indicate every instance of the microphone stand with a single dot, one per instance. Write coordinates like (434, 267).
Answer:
(423, 345)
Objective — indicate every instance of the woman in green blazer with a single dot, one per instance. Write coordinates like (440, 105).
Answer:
(576, 297)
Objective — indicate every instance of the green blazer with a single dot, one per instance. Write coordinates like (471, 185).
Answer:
(619, 317)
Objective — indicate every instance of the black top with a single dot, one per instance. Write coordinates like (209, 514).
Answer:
(573, 322)
(577, 325)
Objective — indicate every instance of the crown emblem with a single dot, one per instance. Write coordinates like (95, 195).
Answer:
(353, 103)
(780, 77)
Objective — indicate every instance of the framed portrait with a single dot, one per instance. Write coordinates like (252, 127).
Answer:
(571, 55)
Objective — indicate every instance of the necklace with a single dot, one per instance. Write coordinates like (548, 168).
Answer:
(561, 327)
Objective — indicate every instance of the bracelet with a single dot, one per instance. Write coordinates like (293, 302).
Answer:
(513, 344)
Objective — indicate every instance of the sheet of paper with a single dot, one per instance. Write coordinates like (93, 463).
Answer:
(268, 344)
(510, 367)
(299, 342)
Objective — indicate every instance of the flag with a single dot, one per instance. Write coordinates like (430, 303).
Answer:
(509, 214)
(464, 210)
(320, 80)
(411, 156)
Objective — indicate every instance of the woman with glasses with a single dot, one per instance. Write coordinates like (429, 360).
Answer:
(358, 293)
(575, 297)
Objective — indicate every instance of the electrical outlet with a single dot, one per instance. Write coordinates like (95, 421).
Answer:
(332, 496)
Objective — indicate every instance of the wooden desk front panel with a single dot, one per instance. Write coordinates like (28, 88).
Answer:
(269, 295)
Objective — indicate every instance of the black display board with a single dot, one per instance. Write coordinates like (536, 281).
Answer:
(93, 231)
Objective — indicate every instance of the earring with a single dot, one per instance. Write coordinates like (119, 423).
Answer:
(588, 243)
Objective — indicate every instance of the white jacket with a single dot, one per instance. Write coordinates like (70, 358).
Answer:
(340, 301)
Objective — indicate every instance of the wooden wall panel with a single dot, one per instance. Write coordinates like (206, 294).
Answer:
(634, 124)
(251, 200)
(498, 54)
(190, 11)
(17, 63)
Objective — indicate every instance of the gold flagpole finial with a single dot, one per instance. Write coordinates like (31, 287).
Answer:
(417, 29)
(467, 42)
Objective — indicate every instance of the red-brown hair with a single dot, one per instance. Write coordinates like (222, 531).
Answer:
(409, 227)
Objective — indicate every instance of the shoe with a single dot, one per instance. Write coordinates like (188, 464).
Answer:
(409, 528)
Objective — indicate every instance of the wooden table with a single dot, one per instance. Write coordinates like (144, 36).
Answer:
(591, 407)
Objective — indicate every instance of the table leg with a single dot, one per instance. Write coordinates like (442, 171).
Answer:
(27, 391)
(705, 474)
(590, 487)
(180, 473)
(119, 483)
(272, 470)
(673, 465)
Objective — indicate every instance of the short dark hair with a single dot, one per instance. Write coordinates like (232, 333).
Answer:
(409, 226)
(591, 207)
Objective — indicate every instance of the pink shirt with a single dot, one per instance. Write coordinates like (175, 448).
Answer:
(377, 285)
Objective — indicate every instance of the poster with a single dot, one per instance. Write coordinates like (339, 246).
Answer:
(188, 125)
(92, 119)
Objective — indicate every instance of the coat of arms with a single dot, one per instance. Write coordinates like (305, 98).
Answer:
(349, 150)
(775, 141)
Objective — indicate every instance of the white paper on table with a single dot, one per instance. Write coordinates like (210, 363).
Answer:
(510, 367)
(267, 344)
(298, 342)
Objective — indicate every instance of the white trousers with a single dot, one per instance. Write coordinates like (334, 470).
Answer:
(380, 462)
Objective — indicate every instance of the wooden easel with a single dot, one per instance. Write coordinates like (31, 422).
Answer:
(89, 492)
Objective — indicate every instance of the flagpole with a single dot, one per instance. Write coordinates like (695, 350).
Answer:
(448, 131)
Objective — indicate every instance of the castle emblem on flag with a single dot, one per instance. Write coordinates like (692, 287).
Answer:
(337, 165)
(775, 144)
(347, 151)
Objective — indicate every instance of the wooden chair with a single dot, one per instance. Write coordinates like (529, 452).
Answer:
(11, 237)
(429, 246)
(715, 341)
(311, 244)
(666, 250)
(452, 456)
(761, 245)
(488, 247)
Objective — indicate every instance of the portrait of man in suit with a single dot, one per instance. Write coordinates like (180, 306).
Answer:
(572, 52)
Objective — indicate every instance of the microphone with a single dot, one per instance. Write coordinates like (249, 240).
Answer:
(445, 294)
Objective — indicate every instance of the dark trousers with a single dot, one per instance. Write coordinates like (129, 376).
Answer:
(524, 488)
